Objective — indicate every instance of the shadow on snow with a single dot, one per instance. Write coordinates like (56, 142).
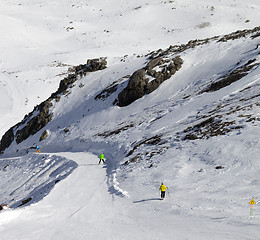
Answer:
(149, 199)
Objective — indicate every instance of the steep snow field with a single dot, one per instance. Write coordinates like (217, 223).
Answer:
(40, 39)
(210, 180)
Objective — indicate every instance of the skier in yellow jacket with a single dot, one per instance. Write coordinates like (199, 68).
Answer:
(162, 189)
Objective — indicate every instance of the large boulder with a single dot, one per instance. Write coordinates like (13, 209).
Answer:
(153, 63)
(135, 88)
(139, 83)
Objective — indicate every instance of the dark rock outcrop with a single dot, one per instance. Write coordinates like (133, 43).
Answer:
(44, 135)
(139, 83)
(165, 74)
(234, 75)
(7, 139)
(41, 116)
(25, 201)
(92, 65)
(135, 88)
(177, 49)
(36, 123)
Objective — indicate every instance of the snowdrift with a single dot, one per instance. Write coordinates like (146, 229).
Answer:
(28, 179)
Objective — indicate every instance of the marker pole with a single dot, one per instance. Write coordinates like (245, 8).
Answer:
(251, 210)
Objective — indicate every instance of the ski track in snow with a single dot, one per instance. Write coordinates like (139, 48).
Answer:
(81, 207)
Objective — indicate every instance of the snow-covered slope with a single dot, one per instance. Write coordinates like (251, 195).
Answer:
(31, 177)
(40, 39)
(197, 132)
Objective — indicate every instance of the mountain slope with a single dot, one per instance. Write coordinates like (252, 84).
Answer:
(223, 77)
(196, 131)
(41, 40)
(183, 118)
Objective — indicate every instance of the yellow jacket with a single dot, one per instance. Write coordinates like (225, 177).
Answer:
(163, 188)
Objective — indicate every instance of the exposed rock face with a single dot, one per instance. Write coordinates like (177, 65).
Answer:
(153, 63)
(234, 75)
(7, 139)
(44, 135)
(35, 123)
(135, 88)
(166, 73)
(41, 116)
(92, 65)
(139, 83)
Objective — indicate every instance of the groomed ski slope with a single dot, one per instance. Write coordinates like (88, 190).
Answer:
(41, 40)
(81, 207)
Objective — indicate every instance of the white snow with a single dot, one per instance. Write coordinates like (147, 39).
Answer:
(75, 198)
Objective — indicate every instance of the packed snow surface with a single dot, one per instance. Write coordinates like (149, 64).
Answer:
(81, 207)
(62, 193)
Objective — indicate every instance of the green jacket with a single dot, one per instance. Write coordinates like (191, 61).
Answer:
(101, 156)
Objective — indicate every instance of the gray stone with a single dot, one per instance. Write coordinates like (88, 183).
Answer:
(139, 85)
(135, 88)
(153, 63)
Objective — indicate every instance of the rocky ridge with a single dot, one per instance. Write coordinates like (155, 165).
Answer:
(161, 65)
(41, 116)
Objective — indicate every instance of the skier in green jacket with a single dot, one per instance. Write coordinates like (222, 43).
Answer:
(101, 158)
